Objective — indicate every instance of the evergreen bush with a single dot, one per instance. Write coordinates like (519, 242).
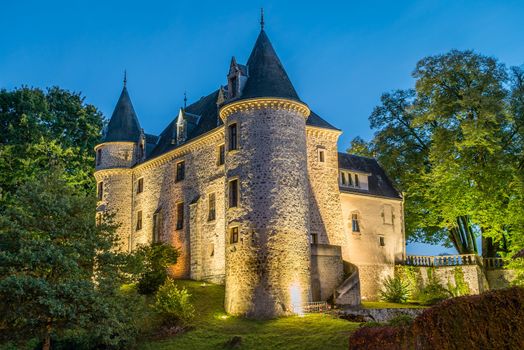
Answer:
(394, 290)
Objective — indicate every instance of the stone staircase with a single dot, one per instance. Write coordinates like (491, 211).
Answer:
(348, 292)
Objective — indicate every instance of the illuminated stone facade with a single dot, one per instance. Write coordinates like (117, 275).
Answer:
(246, 184)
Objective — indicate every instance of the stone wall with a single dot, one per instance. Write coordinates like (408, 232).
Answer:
(324, 195)
(327, 270)
(499, 278)
(268, 269)
(375, 262)
(116, 155)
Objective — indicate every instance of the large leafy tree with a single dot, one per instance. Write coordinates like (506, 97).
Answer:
(453, 145)
(59, 271)
(43, 128)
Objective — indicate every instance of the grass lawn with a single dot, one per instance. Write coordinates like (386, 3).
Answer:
(213, 328)
(386, 305)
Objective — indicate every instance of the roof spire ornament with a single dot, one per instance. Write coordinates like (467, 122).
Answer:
(185, 99)
(125, 77)
(261, 18)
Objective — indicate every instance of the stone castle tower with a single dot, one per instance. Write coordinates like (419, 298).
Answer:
(248, 185)
(268, 273)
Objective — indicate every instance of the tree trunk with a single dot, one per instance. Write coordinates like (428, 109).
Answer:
(47, 338)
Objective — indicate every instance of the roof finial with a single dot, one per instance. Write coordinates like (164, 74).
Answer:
(185, 99)
(125, 77)
(261, 18)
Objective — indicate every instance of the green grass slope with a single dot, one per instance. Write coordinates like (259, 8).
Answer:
(213, 328)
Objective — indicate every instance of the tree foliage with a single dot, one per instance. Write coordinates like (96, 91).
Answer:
(43, 128)
(454, 146)
(58, 269)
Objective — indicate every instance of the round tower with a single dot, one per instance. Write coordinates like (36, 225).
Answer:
(267, 216)
(122, 147)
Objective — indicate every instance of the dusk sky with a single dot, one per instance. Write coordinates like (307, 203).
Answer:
(340, 56)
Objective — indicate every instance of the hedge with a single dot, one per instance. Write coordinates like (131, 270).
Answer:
(492, 320)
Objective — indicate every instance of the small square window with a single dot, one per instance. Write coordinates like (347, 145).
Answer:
(139, 220)
(180, 171)
(140, 185)
(233, 238)
(321, 156)
(381, 241)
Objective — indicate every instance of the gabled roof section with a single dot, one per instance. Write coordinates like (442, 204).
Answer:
(378, 182)
(266, 75)
(123, 125)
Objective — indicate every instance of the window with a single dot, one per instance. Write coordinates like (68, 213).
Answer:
(221, 154)
(233, 193)
(141, 152)
(233, 236)
(100, 190)
(99, 156)
(381, 241)
(314, 238)
(233, 137)
(180, 216)
(180, 171)
(140, 185)
(321, 155)
(157, 225)
(139, 220)
(343, 178)
(211, 207)
(354, 223)
(357, 182)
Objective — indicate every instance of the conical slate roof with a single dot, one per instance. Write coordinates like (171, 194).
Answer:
(267, 76)
(123, 125)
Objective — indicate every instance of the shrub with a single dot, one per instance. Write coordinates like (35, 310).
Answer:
(492, 320)
(150, 264)
(394, 290)
(433, 292)
(401, 320)
(173, 304)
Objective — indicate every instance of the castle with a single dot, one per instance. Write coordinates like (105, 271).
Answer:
(247, 183)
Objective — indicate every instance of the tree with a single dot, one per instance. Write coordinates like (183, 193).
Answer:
(453, 145)
(39, 129)
(60, 271)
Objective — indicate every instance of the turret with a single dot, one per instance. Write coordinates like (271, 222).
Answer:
(123, 145)
(267, 216)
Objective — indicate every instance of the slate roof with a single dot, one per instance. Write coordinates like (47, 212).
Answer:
(266, 75)
(379, 183)
(123, 125)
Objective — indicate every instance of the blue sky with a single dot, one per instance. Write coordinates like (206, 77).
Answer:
(341, 56)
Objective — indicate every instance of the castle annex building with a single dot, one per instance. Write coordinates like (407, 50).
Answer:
(248, 184)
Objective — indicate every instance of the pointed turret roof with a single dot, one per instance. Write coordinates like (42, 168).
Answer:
(267, 76)
(123, 125)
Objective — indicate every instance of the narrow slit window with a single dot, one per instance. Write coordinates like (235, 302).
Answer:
(139, 220)
(157, 226)
(211, 207)
(140, 185)
(180, 216)
(180, 171)
(381, 241)
(99, 156)
(233, 193)
(354, 223)
(100, 190)
(221, 154)
(233, 235)
(321, 156)
(233, 137)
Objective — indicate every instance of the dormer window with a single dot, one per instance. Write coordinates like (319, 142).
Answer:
(352, 179)
(236, 78)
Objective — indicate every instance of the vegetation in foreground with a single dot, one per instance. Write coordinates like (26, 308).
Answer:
(213, 329)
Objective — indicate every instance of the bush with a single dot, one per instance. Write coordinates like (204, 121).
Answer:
(394, 290)
(150, 264)
(433, 292)
(173, 304)
(492, 320)
(400, 321)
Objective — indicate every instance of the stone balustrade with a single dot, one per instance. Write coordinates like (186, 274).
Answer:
(493, 263)
(442, 260)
